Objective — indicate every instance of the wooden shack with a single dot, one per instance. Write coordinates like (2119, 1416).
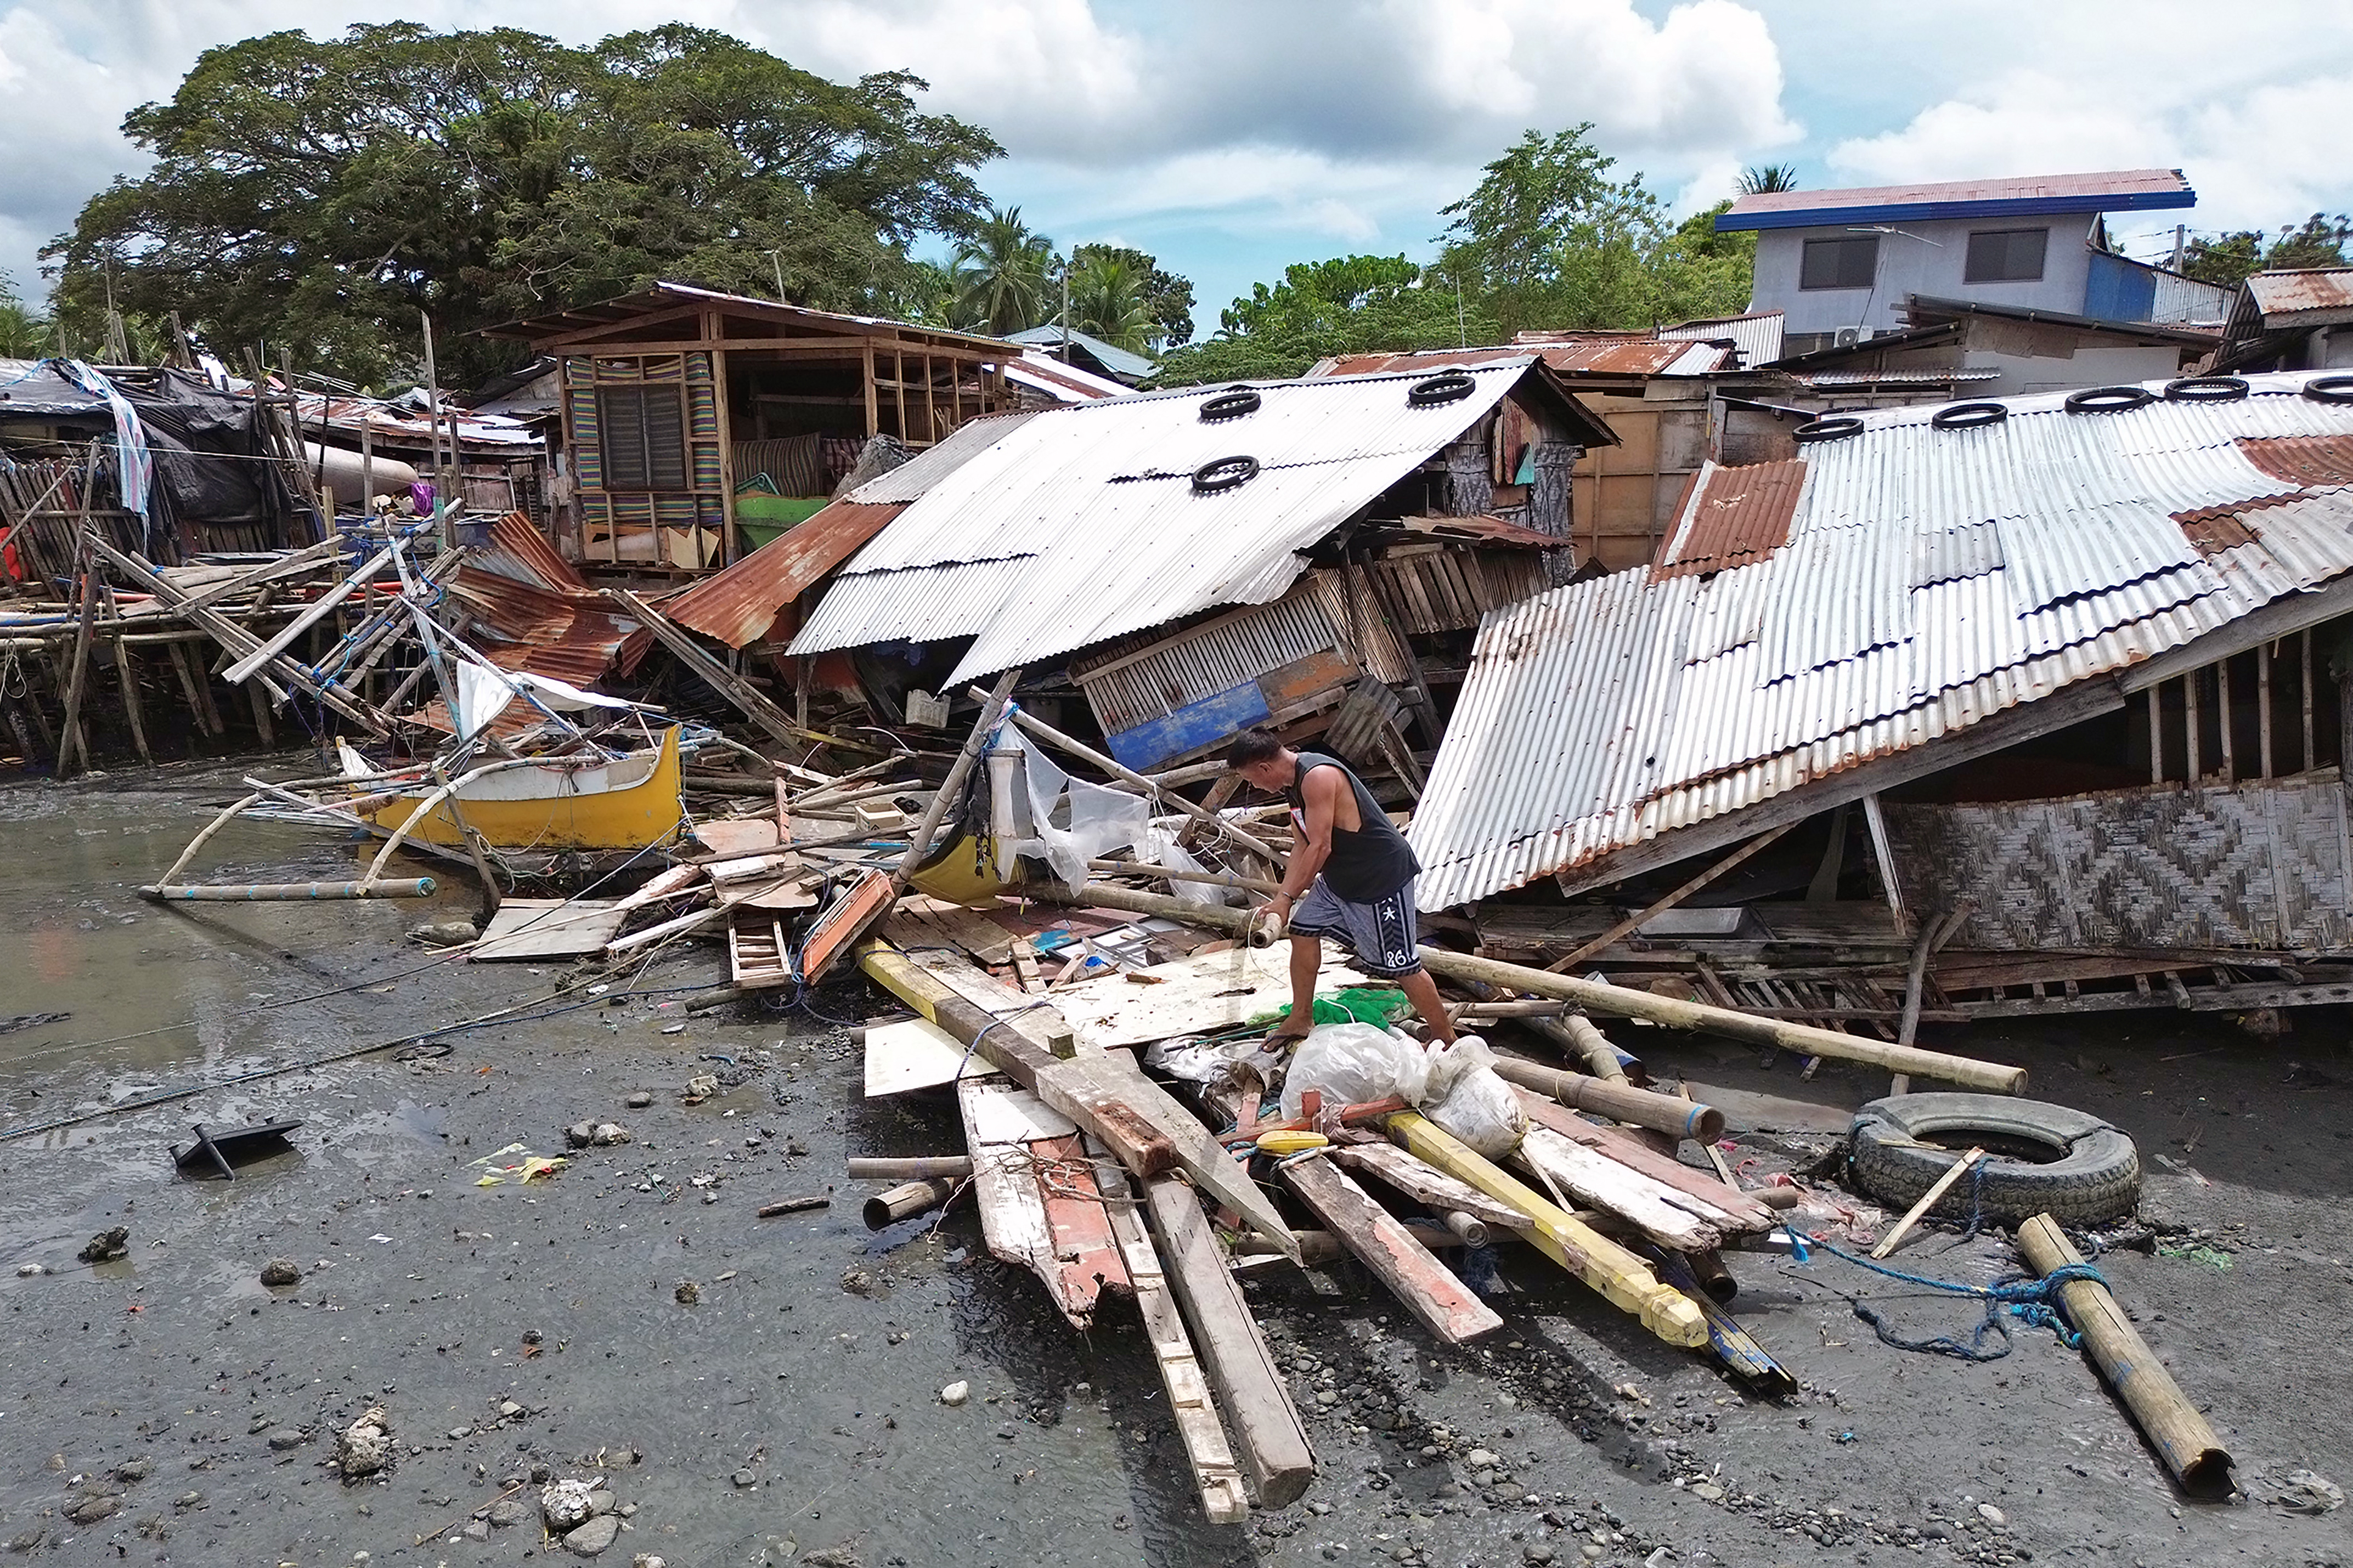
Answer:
(697, 425)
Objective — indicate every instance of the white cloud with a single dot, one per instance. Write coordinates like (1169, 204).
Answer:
(2245, 115)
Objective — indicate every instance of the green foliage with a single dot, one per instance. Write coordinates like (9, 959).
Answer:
(2229, 259)
(1001, 273)
(1768, 179)
(1107, 301)
(316, 194)
(1550, 241)
(1167, 296)
(1351, 304)
(23, 333)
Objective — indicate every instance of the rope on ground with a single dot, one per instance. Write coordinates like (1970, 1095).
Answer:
(2025, 1297)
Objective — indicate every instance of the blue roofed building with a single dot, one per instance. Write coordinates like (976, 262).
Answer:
(1845, 266)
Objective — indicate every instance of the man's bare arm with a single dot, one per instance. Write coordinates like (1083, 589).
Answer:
(1321, 789)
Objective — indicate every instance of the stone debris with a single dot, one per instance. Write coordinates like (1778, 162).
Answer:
(955, 1394)
(365, 1445)
(106, 1246)
(281, 1271)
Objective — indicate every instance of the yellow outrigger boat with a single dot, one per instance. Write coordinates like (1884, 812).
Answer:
(629, 802)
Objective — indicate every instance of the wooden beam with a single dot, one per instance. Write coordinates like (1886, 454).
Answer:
(1215, 1477)
(1262, 1421)
(76, 737)
(1622, 1278)
(747, 697)
(1426, 1184)
(1427, 1288)
(873, 412)
(2263, 656)
(1875, 821)
(1599, 1181)
(1635, 920)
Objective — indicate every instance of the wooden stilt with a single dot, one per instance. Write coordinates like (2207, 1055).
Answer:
(126, 671)
(1427, 1288)
(77, 741)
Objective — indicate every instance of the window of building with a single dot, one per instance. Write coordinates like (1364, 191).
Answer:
(1844, 263)
(643, 435)
(2006, 256)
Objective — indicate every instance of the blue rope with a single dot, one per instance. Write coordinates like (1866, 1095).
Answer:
(2024, 1296)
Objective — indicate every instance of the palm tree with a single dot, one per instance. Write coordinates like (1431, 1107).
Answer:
(1000, 273)
(23, 333)
(1107, 303)
(1765, 181)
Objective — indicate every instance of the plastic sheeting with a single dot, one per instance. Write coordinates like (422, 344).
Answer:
(1066, 822)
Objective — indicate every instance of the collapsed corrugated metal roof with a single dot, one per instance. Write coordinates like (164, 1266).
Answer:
(1929, 579)
(1095, 520)
(1571, 354)
(740, 605)
(534, 612)
(2311, 298)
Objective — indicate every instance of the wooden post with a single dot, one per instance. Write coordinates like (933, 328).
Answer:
(2222, 719)
(1823, 888)
(200, 707)
(433, 410)
(714, 329)
(1875, 821)
(2189, 713)
(2155, 735)
(126, 671)
(2263, 656)
(873, 413)
(899, 387)
(1262, 1422)
(2304, 652)
(1635, 920)
(2182, 1438)
(75, 738)
(1429, 1289)
(958, 770)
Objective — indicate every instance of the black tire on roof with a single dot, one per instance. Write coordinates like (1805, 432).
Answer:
(2091, 1173)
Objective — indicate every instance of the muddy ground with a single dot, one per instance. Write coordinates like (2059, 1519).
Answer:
(170, 1408)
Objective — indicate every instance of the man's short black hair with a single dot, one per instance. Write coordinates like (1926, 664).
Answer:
(1251, 748)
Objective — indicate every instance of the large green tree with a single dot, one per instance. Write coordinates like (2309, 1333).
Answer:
(1351, 304)
(1550, 240)
(2228, 259)
(1167, 296)
(1107, 301)
(316, 194)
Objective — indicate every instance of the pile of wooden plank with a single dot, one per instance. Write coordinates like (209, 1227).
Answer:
(1101, 1181)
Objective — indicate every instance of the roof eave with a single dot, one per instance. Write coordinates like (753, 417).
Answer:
(1933, 212)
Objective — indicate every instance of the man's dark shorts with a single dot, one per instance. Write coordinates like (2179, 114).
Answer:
(1382, 934)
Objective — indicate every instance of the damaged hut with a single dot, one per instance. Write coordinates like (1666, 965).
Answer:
(2074, 658)
(1309, 555)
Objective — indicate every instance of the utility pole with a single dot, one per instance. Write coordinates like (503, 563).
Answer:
(2180, 245)
(777, 262)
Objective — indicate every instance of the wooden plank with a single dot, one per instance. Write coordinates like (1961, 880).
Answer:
(1622, 1278)
(549, 928)
(916, 1053)
(1107, 1095)
(1040, 1204)
(759, 954)
(1927, 1201)
(1426, 1184)
(1717, 1201)
(1427, 1288)
(1262, 1422)
(1603, 1183)
(1193, 1408)
(864, 902)
(1199, 994)
(938, 920)
(748, 698)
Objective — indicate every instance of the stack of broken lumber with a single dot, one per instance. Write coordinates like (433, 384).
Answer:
(1100, 1178)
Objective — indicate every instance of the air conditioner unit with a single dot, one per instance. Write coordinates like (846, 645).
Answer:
(1847, 337)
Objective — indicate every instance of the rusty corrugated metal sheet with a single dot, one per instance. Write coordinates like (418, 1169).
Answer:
(570, 633)
(739, 604)
(2286, 297)
(1735, 517)
(518, 551)
(1594, 355)
(2303, 459)
(1933, 578)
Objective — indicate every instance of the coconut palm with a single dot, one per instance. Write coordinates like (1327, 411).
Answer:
(1769, 180)
(1107, 301)
(1000, 273)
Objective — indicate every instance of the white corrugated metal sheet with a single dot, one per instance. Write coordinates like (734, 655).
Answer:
(1096, 505)
(1932, 579)
(1756, 337)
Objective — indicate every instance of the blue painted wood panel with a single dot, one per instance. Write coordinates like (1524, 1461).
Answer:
(1191, 727)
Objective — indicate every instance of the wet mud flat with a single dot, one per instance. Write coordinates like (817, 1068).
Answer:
(168, 1407)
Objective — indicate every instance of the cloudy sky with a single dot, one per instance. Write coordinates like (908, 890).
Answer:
(1233, 136)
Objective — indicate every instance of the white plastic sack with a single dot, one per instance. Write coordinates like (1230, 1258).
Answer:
(1350, 1064)
(1465, 1096)
(1069, 820)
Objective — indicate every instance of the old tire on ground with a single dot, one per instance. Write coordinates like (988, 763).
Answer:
(2040, 1158)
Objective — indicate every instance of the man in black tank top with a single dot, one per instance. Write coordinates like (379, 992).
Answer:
(1351, 878)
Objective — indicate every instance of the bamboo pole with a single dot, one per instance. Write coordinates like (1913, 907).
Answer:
(75, 739)
(289, 892)
(2182, 1436)
(923, 1167)
(1618, 1101)
(1178, 873)
(1582, 1040)
(908, 1199)
(1599, 996)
